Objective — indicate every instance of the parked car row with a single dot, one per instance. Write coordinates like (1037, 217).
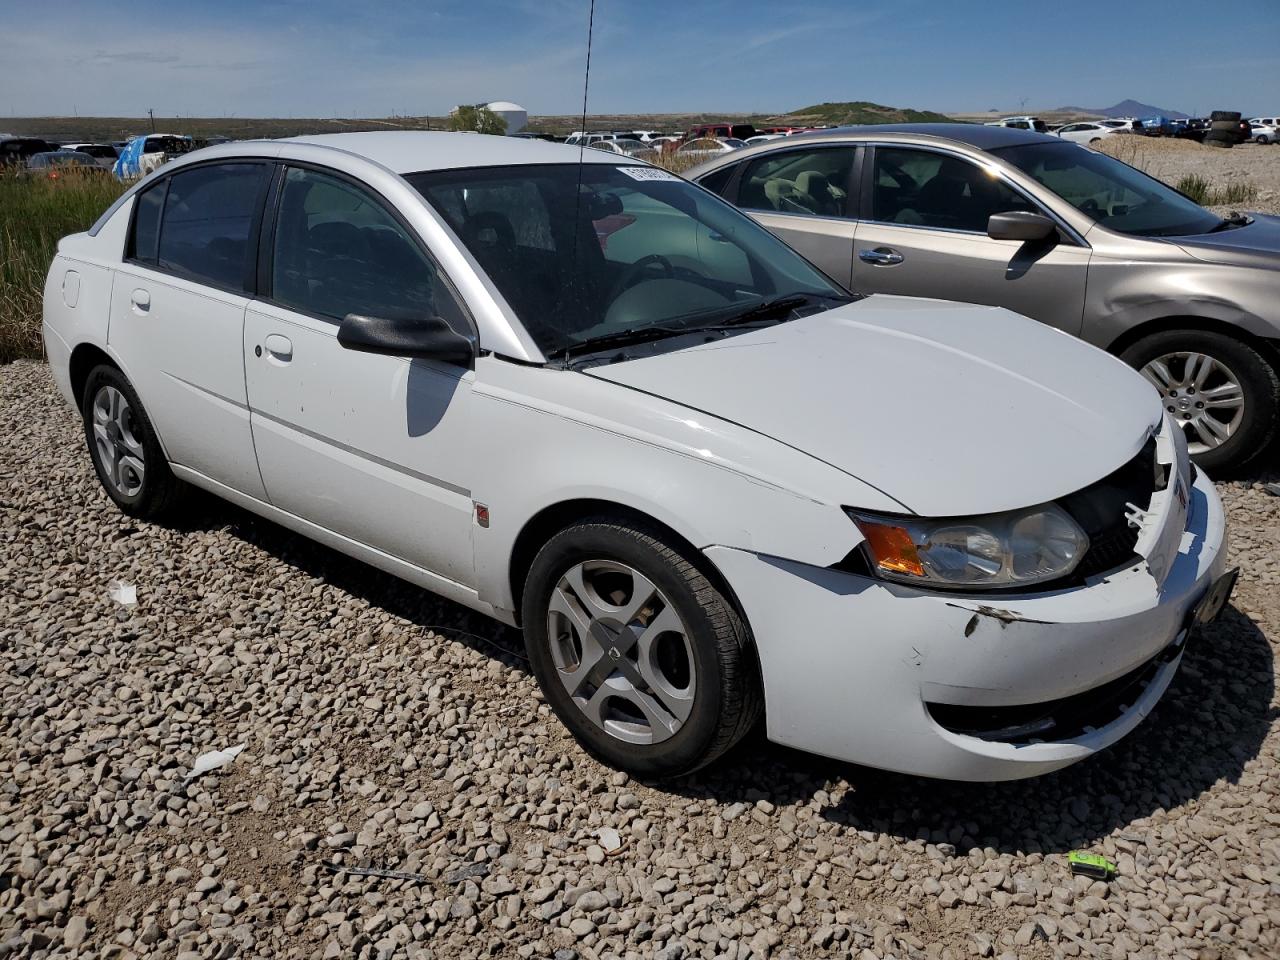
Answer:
(590, 398)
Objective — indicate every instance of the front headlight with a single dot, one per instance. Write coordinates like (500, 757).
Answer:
(1014, 549)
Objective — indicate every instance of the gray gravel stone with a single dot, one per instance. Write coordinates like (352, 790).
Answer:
(379, 735)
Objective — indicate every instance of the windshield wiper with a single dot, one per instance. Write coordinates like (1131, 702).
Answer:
(623, 338)
(1232, 219)
(772, 309)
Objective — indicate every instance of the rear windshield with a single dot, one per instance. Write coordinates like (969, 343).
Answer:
(582, 251)
(1109, 192)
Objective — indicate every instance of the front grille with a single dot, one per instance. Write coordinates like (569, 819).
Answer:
(1054, 720)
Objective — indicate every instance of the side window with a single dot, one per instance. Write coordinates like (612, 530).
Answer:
(146, 222)
(798, 181)
(718, 180)
(338, 250)
(923, 188)
(207, 225)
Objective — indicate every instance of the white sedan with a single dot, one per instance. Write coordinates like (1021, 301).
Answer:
(1086, 133)
(589, 398)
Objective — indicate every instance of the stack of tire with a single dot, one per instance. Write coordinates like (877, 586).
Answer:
(1224, 129)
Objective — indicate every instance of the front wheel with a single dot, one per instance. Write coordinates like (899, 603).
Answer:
(1222, 392)
(638, 653)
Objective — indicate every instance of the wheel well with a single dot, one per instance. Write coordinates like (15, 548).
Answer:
(551, 520)
(1268, 348)
(83, 359)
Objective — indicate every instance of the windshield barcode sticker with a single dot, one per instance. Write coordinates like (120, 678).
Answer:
(648, 173)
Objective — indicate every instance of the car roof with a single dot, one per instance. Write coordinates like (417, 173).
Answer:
(413, 151)
(974, 134)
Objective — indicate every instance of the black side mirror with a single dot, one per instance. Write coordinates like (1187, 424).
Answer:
(406, 336)
(1020, 225)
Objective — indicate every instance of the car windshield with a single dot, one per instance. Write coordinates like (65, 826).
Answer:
(1111, 193)
(582, 252)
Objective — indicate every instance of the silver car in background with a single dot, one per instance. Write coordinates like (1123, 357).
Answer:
(1049, 229)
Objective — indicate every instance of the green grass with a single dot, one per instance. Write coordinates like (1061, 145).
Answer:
(35, 213)
(1200, 190)
(862, 111)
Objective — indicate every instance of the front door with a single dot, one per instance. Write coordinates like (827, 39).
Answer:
(802, 195)
(370, 447)
(177, 312)
(925, 235)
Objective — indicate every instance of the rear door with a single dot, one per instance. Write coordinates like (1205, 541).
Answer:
(925, 235)
(177, 313)
(804, 195)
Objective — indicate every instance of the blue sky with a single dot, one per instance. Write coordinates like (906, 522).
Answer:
(377, 57)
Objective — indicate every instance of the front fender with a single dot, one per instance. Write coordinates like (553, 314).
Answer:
(554, 436)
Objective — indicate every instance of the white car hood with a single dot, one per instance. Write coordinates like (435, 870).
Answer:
(951, 409)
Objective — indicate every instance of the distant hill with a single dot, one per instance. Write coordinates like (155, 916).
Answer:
(1126, 108)
(857, 111)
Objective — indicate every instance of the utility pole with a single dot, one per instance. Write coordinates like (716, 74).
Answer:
(152, 114)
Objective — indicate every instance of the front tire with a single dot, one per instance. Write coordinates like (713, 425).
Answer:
(124, 448)
(637, 652)
(1223, 392)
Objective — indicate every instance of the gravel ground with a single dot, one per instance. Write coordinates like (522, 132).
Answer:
(387, 729)
(1171, 160)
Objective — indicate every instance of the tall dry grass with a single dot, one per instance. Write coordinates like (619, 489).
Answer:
(35, 212)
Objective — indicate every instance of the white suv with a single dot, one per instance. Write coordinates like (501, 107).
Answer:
(585, 396)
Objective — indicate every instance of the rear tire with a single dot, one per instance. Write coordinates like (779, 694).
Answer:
(637, 652)
(125, 450)
(1240, 434)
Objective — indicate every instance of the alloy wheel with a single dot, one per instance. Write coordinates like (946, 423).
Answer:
(1201, 394)
(119, 449)
(622, 651)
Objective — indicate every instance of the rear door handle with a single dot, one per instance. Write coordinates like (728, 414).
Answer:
(280, 347)
(881, 257)
(141, 300)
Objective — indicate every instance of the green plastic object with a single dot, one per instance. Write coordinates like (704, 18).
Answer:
(1091, 865)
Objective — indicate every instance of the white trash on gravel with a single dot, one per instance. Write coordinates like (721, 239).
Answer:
(213, 760)
(123, 592)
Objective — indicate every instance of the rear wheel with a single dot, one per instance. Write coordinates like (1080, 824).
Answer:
(124, 448)
(638, 653)
(1222, 392)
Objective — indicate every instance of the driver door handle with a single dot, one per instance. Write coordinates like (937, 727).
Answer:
(881, 257)
(279, 347)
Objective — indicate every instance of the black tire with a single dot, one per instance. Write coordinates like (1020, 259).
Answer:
(727, 697)
(160, 493)
(1262, 138)
(1219, 116)
(1258, 382)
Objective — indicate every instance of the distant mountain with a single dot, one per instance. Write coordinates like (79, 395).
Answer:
(1127, 108)
(858, 111)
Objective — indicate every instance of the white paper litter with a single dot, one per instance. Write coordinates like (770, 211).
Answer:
(123, 593)
(213, 760)
(609, 839)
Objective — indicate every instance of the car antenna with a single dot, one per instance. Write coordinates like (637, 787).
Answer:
(582, 147)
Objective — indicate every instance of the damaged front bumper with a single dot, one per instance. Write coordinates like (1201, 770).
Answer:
(956, 686)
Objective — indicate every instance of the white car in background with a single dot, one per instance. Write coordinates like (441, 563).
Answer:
(585, 396)
(704, 148)
(1122, 124)
(1085, 133)
(762, 138)
(1265, 129)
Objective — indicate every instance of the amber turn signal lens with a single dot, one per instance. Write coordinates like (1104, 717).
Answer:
(892, 548)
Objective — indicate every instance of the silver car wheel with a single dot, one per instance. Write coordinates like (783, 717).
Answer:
(119, 450)
(1200, 393)
(622, 651)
